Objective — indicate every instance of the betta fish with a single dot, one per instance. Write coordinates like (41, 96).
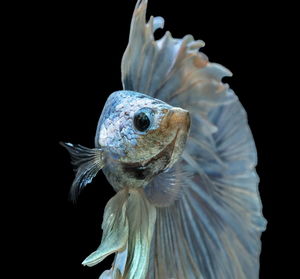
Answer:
(176, 147)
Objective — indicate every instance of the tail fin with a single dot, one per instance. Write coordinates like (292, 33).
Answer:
(212, 229)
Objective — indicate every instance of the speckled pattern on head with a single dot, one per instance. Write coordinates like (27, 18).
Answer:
(115, 128)
(130, 152)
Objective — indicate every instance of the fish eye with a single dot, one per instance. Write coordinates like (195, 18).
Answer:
(142, 119)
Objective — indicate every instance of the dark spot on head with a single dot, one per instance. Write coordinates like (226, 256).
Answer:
(141, 96)
(155, 103)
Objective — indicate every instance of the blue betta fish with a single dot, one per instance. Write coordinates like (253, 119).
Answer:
(176, 147)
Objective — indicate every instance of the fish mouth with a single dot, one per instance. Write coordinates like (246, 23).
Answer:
(177, 120)
(166, 153)
(180, 121)
(153, 166)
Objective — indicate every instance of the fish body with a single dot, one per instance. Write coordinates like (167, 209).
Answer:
(176, 147)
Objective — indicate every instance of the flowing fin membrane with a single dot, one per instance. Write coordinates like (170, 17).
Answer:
(115, 229)
(128, 226)
(87, 163)
(212, 230)
(141, 218)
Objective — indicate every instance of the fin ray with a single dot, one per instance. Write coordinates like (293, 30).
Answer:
(87, 163)
(214, 224)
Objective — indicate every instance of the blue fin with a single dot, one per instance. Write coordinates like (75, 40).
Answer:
(87, 163)
(212, 229)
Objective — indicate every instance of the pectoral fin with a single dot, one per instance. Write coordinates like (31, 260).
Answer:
(87, 163)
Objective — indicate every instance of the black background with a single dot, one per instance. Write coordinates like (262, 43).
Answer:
(69, 58)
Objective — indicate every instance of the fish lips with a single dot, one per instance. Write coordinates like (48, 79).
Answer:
(179, 120)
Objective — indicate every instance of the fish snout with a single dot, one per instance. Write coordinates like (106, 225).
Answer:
(177, 126)
(179, 119)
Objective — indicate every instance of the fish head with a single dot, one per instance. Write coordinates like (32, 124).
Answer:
(138, 130)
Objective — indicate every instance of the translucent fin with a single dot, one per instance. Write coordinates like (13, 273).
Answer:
(128, 226)
(115, 229)
(166, 187)
(87, 163)
(141, 218)
(212, 229)
(169, 69)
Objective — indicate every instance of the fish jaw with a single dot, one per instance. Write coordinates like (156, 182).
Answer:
(179, 120)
